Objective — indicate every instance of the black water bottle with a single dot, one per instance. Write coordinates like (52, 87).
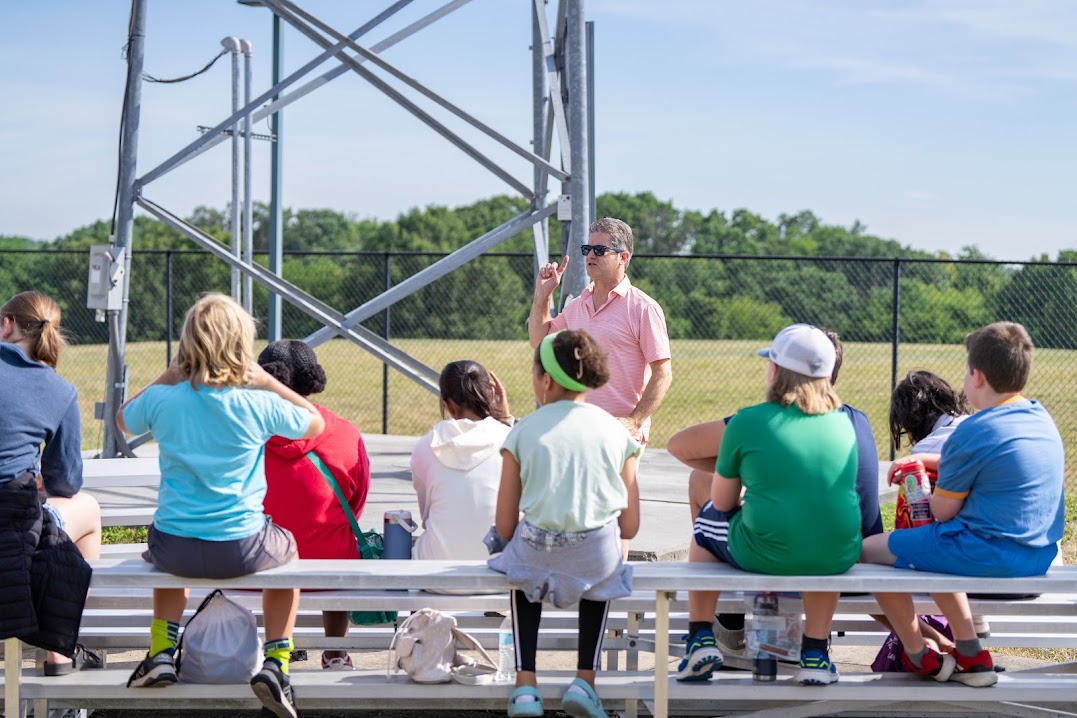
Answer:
(764, 611)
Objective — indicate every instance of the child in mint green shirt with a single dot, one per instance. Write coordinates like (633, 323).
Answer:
(570, 469)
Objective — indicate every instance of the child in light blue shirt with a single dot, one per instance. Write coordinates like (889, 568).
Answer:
(211, 413)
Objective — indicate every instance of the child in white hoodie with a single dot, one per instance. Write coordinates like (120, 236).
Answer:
(456, 468)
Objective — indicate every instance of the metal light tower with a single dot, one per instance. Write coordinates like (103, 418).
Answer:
(276, 177)
(559, 66)
(115, 371)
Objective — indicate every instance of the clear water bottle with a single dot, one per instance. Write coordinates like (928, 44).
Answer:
(764, 613)
(506, 648)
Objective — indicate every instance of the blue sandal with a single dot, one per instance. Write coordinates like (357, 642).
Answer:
(582, 705)
(528, 709)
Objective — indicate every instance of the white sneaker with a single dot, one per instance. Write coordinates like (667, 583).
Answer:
(339, 663)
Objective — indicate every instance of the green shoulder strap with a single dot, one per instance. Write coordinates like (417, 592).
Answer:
(336, 490)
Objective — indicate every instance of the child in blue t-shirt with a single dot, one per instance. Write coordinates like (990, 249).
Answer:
(211, 413)
(998, 503)
(570, 469)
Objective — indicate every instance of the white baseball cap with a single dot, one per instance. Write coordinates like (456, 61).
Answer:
(803, 349)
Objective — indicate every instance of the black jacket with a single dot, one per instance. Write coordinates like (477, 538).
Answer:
(43, 577)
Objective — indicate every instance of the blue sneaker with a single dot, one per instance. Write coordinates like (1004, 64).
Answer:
(525, 709)
(816, 669)
(582, 702)
(701, 658)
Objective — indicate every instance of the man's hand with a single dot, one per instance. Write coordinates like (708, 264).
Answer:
(631, 424)
(549, 277)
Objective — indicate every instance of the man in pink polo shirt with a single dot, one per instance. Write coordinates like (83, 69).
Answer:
(628, 324)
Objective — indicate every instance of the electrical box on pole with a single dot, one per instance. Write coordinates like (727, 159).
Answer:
(104, 285)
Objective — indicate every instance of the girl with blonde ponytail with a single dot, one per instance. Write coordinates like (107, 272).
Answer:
(41, 410)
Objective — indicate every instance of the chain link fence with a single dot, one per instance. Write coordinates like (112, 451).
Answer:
(894, 315)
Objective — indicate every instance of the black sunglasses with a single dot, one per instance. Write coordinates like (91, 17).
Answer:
(599, 249)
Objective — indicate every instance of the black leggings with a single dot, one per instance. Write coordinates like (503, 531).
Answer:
(526, 617)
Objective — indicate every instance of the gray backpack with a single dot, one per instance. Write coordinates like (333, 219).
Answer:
(219, 644)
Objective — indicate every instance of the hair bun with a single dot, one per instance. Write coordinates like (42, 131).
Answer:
(295, 365)
(280, 371)
(309, 379)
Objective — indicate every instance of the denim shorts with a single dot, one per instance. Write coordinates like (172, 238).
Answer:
(196, 558)
(57, 517)
(543, 540)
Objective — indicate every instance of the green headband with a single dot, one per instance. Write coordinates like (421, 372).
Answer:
(549, 363)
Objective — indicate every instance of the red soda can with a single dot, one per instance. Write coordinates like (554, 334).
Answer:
(914, 485)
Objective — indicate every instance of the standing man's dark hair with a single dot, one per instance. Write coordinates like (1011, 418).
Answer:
(620, 233)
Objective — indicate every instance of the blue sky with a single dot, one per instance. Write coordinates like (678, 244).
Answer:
(938, 123)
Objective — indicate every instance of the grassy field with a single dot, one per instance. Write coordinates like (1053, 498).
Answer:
(711, 379)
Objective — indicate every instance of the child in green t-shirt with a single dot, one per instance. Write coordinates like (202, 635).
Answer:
(784, 498)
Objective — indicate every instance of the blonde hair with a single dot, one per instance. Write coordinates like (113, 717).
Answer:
(812, 395)
(217, 342)
(38, 319)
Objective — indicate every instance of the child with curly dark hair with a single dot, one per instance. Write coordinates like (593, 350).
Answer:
(926, 409)
(299, 497)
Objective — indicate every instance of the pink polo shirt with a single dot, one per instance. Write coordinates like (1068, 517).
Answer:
(631, 327)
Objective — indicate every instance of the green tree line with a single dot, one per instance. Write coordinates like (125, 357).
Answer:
(718, 275)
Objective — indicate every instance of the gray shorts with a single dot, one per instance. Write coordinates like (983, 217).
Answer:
(196, 558)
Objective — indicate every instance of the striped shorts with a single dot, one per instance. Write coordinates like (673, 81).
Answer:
(712, 532)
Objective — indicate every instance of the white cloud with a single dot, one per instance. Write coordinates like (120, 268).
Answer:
(1048, 22)
(974, 48)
